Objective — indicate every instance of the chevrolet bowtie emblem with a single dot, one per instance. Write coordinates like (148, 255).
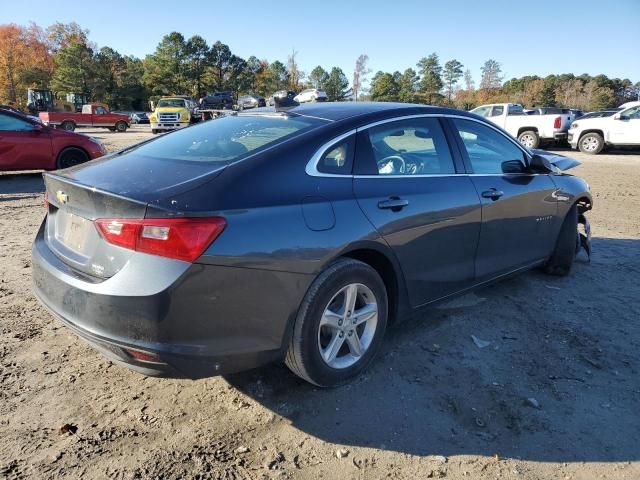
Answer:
(62, 197)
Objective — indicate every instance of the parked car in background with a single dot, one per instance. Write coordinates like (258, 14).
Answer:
(311, 95)
(171, 113)
(601, 113)
(140, 118)
(289, 94)
(27, 144)
(593, 134)
(168, 259)
(251, 101)
(92, 115)
(532, 131)
(217, 101)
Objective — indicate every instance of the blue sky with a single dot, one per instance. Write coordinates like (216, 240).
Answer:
(538, 37)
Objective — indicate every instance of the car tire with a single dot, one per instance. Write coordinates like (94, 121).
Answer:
(529, 139)
(70, 157)
(68, 126)
(566, 248)
(591, 143)
(121, 127)
(112, 129)
(310, 355)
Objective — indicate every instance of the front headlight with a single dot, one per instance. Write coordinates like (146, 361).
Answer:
(153, 117)
(574, 125)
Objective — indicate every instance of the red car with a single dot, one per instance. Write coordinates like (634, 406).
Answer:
(27, 144)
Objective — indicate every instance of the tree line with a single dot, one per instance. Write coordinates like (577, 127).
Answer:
(452, 85)
(62, 58)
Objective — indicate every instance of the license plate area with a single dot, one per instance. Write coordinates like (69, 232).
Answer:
(73, 231)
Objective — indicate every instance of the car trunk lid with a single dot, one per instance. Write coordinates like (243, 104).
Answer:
(70, 231)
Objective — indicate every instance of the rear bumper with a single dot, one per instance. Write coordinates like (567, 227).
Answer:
(560, 136)
(202, 320)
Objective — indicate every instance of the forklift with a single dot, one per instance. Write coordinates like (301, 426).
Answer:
(43, 100)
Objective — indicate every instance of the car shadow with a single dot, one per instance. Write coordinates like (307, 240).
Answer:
(14, 186)
(558, 381)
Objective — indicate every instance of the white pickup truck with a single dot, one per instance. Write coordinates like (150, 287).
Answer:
(592, 135)
(531, 130)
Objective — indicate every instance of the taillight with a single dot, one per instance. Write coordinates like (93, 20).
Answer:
(179, 238)
(557, 123)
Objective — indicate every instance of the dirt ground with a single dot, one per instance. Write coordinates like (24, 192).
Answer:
(556, 393)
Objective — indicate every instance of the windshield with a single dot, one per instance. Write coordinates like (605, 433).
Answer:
(226, 139)
(171, 103)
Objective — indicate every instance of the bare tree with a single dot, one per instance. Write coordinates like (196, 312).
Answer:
(295, 75)
(491, 74)
(469, 84)
(359, 74)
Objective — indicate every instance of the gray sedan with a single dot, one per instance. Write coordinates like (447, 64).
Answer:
(296, 235)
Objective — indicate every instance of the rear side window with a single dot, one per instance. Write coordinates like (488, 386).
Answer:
(489, 152)
(225, 140)
(338, 159)
(406, 147)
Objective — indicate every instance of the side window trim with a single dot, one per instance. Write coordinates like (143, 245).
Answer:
(311, 168)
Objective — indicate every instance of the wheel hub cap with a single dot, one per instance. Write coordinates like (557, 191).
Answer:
(348, 326)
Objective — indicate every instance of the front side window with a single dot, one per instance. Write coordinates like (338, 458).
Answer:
(9, 123)
(410, 147)
(482, 111)
(489, 151)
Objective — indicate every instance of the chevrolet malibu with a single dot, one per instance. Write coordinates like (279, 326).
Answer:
(295, 234)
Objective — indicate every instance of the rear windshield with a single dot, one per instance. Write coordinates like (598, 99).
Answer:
(227, 139)
(171, 103)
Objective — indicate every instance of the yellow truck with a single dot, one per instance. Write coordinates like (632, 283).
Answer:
(170, 113)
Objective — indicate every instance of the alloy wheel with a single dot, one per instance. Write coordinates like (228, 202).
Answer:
(527, 140)
(348, 326)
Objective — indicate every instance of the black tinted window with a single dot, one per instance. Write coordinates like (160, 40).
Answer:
(410, 147)
(489, 151)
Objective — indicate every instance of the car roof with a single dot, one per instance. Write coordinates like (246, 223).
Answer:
(337, 111)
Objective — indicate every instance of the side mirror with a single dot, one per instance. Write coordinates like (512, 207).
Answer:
(512, 166)
(539, 164)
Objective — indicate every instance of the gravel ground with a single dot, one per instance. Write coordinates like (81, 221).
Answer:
(555, 394)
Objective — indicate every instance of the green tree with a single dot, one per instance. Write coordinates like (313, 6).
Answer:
(226, 68)
(451, 74)
(278, 77)
(165, 69)
(75, 68)
(431, 78)
(198, 58)
(384, 88)
(318, 77)
(337, 86)
(408, 86)
(110, 70)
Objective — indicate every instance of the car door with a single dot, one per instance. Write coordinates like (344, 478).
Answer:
(625, 127)
(23, 145)
(100, 117)
(519, 208)
(407, 183)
